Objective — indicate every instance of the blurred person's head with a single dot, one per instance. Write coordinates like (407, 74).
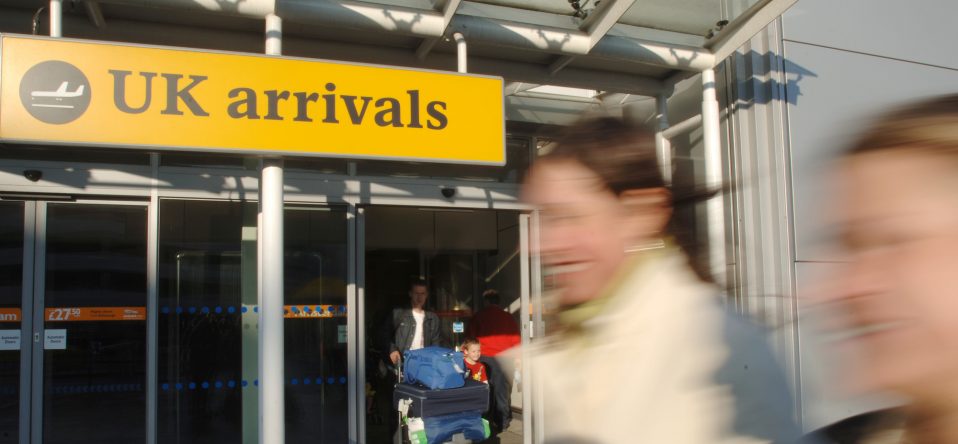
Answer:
(491, 297)
(418, 293)
(898, 212)
(601, 195)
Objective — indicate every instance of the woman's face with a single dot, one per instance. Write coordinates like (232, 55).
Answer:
(584, 227)
(898, 296)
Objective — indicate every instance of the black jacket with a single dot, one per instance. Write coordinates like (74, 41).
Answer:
(403, 328)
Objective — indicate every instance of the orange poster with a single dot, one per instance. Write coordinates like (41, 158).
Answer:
(314, 311)
(66, 314)
(10, 315)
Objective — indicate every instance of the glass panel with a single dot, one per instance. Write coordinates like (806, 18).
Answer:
(206, 160)
(75, 154)
(315, 165)
(209, 321)
(202, 318)
(460, 254)
(220, 160)
(11, 287)
(695, 17)
(95, 324)
(315, 335)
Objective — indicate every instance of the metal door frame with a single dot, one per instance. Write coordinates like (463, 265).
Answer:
(33, 305)
(530, 296)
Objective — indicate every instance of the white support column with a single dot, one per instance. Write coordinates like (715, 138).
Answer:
(274, 35)
(460, 52)
(56, 18)
(713, 178)
(272, 416)
(662, 144)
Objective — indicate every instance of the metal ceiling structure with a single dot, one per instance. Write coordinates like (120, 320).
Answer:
(622, 46)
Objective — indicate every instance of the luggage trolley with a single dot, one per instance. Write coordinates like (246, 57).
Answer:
(418, 406)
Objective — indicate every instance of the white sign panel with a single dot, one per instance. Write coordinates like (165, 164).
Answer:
(457, 327)
(9, 339)
(343, 334)
(55, 339)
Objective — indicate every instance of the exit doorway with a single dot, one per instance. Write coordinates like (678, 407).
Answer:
(460, 253)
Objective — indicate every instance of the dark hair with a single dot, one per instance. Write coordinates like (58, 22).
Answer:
(624, 157)
(418, 282)
(930, 124)
(491, 296)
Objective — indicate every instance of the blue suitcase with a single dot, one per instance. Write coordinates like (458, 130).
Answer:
(426, 403)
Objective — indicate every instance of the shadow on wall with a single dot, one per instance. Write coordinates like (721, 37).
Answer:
(767, 77)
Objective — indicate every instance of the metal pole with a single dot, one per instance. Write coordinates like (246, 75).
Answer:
(272, 416)
(662, 144)
(715, 206)
(152, 302)
(355, 314)
(683, 127)
(531, 427)
(56, 18)
(460, 51)
(28, 326)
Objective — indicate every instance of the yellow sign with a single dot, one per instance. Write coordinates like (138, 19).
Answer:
(99, 94)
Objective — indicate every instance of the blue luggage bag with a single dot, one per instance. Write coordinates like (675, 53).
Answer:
(473, 396)
(434, 367)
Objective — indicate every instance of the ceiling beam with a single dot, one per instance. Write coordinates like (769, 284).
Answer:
(596, 26)
(560, 63)
(448, 9)
(601, 20)
(745, 26)
(95, 13)
(518, 87)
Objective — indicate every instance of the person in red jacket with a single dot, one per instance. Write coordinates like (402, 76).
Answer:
(497, 331)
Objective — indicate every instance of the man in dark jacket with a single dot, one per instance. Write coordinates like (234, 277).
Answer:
(410, 329)
(413, 328)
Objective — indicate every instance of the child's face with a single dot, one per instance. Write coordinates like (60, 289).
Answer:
(473, 352)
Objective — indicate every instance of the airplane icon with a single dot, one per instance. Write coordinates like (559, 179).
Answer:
(60, 94)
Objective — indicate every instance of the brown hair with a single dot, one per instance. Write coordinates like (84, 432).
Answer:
(930, 124)
(624, 157)
(467, 342)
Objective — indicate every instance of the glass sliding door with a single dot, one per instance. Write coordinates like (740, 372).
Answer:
(315, 277)
(94, 321)
(11, 292)
(208, 323)
(206, 300)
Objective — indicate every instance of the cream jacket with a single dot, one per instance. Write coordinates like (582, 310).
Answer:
(662, 362)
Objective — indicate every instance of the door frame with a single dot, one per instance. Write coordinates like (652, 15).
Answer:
(33, 308)
(531, 327)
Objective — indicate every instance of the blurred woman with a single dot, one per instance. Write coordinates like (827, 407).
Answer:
(646, 353)
(898, 298)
